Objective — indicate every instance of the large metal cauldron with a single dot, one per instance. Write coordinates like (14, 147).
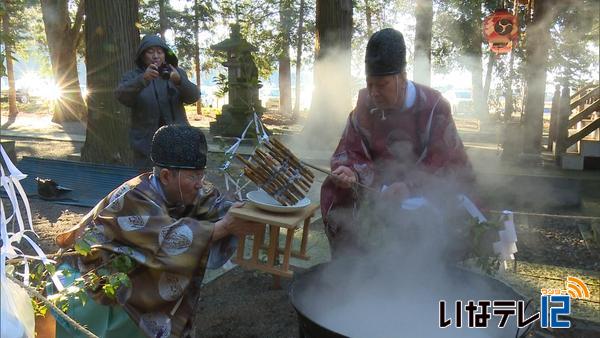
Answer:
(312, 327)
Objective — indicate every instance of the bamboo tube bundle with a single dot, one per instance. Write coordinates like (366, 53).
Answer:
(279, 173)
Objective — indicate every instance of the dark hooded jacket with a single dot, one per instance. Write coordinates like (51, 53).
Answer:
(153, 103)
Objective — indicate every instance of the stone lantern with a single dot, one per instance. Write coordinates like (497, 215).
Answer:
(242, 78)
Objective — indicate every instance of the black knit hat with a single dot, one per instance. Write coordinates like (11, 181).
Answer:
(386, 53)
(179, 146)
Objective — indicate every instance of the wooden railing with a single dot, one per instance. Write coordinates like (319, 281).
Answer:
(568, 110)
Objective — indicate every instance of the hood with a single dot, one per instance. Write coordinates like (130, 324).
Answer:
(152, 41)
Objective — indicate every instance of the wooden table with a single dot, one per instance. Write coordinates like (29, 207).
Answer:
(275, 221)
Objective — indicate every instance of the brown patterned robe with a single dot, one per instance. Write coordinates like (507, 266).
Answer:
(170, 247)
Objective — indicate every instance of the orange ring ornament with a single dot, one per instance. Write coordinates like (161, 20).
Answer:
(500, 30)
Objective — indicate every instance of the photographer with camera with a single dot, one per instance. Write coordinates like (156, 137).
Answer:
(156, 91)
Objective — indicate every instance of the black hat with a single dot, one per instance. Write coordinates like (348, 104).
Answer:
(179, 146)
(386, 53)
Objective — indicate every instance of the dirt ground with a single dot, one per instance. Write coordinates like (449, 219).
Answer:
(244, 304)
(237, 304)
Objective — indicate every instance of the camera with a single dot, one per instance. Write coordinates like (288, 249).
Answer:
(164, 71)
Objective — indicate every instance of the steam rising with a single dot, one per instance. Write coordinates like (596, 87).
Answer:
(331, 101)
(390, 282)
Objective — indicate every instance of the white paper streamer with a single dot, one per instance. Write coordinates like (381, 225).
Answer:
(10, 183)
(471, 208)
(506, 247)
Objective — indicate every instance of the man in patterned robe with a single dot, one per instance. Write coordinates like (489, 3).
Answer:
(172, 224)
(399, 138)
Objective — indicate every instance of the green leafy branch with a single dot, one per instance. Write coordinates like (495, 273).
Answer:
(223, 85)
(109, 277)
(481, 234)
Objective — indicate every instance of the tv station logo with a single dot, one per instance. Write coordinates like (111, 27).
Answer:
(554, 304)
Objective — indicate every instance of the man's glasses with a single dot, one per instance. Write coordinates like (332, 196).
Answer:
(196, 178)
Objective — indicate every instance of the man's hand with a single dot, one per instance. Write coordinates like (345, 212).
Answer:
(416, 179)
(344, 177)
(151, 72)
(230, 225)
(175, 77)
(398, 190)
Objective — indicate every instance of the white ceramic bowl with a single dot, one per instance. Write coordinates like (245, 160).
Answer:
(263, 201)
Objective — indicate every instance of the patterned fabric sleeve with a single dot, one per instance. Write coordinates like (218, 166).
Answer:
(170, 254)
(135, 220)
(351, 152)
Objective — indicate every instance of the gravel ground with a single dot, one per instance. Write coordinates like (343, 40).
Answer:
(556, 242)
(244, 304)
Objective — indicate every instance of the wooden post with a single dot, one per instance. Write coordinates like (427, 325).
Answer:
(289, 236)
(563, 122)
(583, 102)
(273, 245)
(304, 239)
(240, 249)
(259, 240)
(554, 116)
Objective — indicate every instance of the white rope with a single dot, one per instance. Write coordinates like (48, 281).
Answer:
(261, 135)
(34, 293)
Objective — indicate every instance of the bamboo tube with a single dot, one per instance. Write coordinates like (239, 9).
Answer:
(268, 171)
(302, 181)
(298, 164)
(278, 183)
(271, 192)
(264, 177)
(286, 151)
(279, 154)
(286, 176)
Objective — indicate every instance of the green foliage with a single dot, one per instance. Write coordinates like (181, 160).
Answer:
(122, 263)
(259, 21)
(573, 51)
(222, 84)
(109, 277)
(457, 32)
(82, 247)
(481, 245)
(575, 42)
(26, 34)
(383, 14)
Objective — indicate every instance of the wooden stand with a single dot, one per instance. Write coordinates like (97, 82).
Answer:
(275, 221)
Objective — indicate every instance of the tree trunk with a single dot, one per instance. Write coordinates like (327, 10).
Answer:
(481, 109)
(285, 79)
(536, 58)
(554, 117)
(296, 114)
(368, 15)
(10, 73)
(162, 17)
(62, 43)
(424, 16)
(332, 81)
(110, 35)
(508, 94)
(197, 56)
(488, 77)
